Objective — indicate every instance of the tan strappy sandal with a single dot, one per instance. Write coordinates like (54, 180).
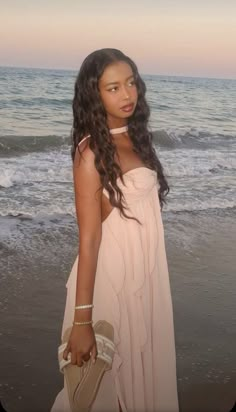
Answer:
(83, 382)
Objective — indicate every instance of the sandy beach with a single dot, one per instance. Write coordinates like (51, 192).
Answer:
(32, 295)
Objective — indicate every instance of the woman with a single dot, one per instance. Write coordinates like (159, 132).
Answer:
(121, 274)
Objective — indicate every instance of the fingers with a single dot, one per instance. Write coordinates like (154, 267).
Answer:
(86, 357)
(73, 355)
(94, 353)
(66, 352)
(77, 358)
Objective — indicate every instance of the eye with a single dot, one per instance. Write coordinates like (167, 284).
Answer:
(131, 83)
(113, 89)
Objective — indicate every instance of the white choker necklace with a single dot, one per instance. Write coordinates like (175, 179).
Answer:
(119, 130)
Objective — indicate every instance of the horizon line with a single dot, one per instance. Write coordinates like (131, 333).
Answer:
(144, 74)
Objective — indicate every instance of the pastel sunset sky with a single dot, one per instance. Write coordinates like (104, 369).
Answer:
(169, 37)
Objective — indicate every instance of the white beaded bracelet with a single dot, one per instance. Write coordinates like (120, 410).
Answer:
(84, 306)
(89, 322)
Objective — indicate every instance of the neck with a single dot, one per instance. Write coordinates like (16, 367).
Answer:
(115, 123)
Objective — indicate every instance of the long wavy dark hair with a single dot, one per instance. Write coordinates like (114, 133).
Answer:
(90, 118)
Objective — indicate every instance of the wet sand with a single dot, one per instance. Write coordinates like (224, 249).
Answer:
(36, 258)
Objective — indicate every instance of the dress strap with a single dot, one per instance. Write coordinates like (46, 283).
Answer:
(86, 137)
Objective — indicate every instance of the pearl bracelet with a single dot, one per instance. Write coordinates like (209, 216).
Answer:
(84, 306)
(89, 322)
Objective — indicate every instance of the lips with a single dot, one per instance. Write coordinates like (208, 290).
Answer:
(127, 108)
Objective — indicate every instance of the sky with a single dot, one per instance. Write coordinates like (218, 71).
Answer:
(167, 37)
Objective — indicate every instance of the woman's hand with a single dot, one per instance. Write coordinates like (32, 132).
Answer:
(81, 344)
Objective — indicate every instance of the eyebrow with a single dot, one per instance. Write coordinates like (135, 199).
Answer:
(112, 83)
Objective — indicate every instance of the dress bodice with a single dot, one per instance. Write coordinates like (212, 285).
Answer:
(137, 184)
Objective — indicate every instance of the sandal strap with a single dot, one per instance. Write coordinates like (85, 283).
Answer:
(64, 363)
(105, 348)
(107, 342)
(62, 347)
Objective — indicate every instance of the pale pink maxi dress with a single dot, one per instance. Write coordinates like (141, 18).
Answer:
(132, 292)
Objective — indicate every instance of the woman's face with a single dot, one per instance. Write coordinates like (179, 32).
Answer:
(118, 93)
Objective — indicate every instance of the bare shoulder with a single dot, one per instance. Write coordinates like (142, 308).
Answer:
(84, 163)
(82, 150)
(88, 191)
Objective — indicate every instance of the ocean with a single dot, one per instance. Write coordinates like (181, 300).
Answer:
(193, 121)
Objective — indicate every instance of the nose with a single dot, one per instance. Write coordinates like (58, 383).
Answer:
(125, 93)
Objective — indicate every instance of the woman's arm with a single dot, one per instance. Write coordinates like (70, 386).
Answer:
(88, 194)
(88, 197)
